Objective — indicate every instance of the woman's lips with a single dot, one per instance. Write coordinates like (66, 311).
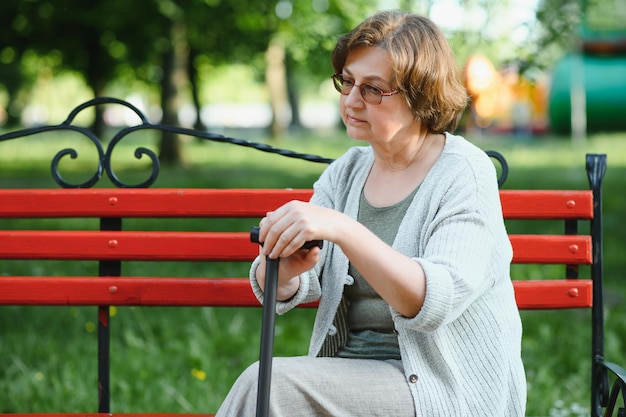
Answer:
(354, 120)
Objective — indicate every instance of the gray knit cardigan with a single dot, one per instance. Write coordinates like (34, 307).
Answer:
(462, 352)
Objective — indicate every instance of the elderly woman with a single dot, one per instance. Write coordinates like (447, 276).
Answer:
(417, 315)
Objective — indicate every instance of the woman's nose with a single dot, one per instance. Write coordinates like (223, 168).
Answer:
(354, 97)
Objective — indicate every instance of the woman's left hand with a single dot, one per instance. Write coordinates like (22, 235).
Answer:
(284, 230)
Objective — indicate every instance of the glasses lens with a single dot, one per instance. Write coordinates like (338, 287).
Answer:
(338, 83)
(371, 94)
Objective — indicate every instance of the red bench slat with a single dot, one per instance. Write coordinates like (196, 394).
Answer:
(153, 291)
(516, 204)
(546, 204)
(234, 246)
(554, 294)
(551, 249)
(187, 202)
(100, 245)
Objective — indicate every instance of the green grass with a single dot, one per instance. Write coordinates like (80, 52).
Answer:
(185, 359)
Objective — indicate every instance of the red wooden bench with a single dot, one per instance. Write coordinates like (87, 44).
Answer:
(114, 246)
(110, 244)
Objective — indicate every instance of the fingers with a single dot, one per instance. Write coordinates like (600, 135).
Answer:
(284, 230)
(283, 244)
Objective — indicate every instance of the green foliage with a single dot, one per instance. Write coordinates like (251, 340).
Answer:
(604, 17)
(556, 33)
(185, 359)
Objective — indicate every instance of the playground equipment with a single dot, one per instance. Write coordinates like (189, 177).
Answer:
(588, 91)
(602, 79)
(503, 100)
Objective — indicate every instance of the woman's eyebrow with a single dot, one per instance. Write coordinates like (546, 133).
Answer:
(369, 78)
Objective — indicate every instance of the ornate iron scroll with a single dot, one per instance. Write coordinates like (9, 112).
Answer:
(104, 156)
(54, 166)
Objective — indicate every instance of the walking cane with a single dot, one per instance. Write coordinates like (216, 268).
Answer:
(268, 326)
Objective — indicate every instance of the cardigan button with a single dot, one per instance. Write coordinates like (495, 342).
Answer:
(413, 379)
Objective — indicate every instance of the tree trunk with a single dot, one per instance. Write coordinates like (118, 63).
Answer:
(13, 80)
(276, 79)
(192, 72)
(99, 126)
(172, 84)
(293, 95)
(96, 81)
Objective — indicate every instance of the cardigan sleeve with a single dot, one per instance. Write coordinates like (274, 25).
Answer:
(308, 291)
(464, 248)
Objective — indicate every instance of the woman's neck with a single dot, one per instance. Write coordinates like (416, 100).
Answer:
(392, 179)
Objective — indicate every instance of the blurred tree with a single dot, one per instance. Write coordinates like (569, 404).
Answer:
(158, 39)
(222, 32)
(303, 36)
(12, 78)
(556, 31)
(89, 36)
(604, 17)
(563, 25)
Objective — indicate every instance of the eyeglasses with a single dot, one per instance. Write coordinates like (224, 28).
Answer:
(370, 93)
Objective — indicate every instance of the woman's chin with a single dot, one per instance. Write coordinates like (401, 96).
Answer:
(356, 134)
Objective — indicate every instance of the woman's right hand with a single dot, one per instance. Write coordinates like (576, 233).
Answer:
(283, 232)
(289, 269)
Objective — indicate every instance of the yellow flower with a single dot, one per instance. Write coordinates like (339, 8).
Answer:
(90, 326)
(39, 376)
(198, 374)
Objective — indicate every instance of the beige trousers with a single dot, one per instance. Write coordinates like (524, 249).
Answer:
(304, 386)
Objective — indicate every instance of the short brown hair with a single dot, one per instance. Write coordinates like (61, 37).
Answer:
(424, 67)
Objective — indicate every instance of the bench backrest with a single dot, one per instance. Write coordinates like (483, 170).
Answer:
(111, 245)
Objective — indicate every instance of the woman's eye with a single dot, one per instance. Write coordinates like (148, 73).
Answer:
(347, 82)
(373, 89)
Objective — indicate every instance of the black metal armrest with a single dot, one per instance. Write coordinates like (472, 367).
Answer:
(609, 401)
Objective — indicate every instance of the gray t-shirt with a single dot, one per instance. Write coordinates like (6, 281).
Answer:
(371, 332)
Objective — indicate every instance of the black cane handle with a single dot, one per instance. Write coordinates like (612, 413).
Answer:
(254, 237)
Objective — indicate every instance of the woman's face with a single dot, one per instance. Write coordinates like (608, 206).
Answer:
(374, 123)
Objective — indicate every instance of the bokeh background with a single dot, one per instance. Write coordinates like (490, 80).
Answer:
(547, 80)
